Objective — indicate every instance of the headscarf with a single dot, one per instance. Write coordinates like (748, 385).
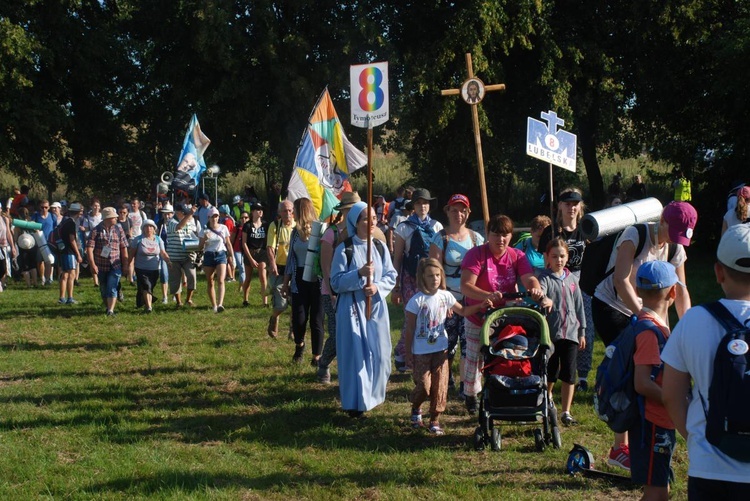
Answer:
(353, 216)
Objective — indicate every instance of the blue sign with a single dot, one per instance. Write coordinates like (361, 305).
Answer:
(547, 143)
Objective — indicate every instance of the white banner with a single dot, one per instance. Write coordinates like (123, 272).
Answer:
(369, 94)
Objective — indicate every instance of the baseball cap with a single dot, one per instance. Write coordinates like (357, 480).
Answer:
(179, 208)
(681, 217)
(213, 211)
(458, 199)
(236, 199)
(656, 275)
(734, 248)
(56, 205)
(256, 206)
(744, 192)
(203, 196)
(223, 209)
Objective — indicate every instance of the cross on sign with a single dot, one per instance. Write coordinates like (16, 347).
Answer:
(472, 92)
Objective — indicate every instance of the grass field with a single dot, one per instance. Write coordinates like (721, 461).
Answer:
(188, 404)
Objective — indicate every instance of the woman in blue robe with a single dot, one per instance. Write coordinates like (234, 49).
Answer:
(363, 346)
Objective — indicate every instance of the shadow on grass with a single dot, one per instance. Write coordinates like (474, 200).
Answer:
(184, 482)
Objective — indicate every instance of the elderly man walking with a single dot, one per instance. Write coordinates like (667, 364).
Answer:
(279, 237)
(179, 229)
(107, 250)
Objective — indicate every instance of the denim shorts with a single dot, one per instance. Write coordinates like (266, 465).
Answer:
(213, 259)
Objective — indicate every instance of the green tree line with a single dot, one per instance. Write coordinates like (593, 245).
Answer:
(97, 94)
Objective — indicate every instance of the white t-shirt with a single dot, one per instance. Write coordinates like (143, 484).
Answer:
(731, 218)
(214, 242)
(405, 230)
(691, 348)
(605, 291)
(430, 335)
(136, 221)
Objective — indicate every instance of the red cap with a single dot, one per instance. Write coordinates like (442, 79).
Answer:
(459, 199)
(682, 218)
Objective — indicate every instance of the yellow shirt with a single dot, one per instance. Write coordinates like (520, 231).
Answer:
(284, 238)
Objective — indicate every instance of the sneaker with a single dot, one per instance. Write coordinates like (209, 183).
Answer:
(324, 375)
(110, 313)
(148, 311)
(220, 309)
(216, 310)
(435, 429)
(76, 283)
(400, 365)
(620, 457)
(471, 404)
(61, 301)
(416, 419)
(568, 420)
(245, 304)
(583, 385)
(165, 300)
(71, 301)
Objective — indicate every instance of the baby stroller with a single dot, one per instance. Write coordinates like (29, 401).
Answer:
(516, 345)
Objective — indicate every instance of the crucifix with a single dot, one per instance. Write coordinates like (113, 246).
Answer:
(472, 91)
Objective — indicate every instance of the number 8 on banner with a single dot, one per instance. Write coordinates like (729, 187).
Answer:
(369, 91)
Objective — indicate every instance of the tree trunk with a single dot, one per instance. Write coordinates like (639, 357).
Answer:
(587, 142)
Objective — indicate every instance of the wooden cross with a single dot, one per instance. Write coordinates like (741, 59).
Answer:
(472, 91)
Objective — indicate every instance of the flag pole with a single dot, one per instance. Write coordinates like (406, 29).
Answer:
(368, 299)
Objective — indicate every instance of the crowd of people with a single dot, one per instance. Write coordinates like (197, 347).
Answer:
(444, 277)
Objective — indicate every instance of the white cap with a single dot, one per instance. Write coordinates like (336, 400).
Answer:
(56, 205)
(734, 248)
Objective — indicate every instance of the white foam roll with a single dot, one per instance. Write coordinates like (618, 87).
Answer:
(613, 219)
(313, 249)
(41, 242)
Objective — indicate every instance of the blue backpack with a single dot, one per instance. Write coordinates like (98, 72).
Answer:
(728, 417)
(419, 247)
(615, 400)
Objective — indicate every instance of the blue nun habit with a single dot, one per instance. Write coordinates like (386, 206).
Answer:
(363, 346)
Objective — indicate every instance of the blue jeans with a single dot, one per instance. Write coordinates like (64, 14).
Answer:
(108, 281)
(239, 267)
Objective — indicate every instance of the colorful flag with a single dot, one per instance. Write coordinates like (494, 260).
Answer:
(325, 159)
(191, 165)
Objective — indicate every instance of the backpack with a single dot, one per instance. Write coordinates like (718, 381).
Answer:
(419, 247)
(444, 236)
(728, 417)
(398, 209)
(597, 254)
(55, 240)
(615, 399)
(349, 250)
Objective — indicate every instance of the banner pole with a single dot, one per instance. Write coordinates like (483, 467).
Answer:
(368, 299)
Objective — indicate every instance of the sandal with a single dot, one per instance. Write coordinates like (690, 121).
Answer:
(416, 419)
(435, 429)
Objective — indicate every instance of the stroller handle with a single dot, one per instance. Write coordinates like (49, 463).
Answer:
(516, 295)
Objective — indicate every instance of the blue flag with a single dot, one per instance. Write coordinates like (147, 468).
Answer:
(191, 165)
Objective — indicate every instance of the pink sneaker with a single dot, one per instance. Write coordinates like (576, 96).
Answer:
(620, 457)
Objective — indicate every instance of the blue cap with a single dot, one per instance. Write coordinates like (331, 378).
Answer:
(656, 275)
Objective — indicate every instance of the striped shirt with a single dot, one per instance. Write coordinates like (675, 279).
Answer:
(176, 237)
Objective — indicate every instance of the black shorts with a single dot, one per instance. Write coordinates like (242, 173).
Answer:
(260, 256)
(563, 362)
(609, 322)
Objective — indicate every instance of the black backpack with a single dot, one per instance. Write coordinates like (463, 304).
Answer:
(615, 400)
(597, 254)
(728, 417)
(55, 241)
(349, 250)
(419, 247)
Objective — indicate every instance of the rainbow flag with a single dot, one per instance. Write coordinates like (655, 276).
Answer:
(325, 159)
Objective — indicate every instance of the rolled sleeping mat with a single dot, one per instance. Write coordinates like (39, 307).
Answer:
(613, 219)
(313, 248)
(47, 255)
(191, 244)
(27, 225)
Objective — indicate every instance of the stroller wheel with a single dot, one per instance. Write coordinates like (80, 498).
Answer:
(478, 439)
(497, 439)
(539, 440)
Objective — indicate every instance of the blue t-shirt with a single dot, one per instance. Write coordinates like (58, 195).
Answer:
(454, 254)
(48, 224)
(536, 258)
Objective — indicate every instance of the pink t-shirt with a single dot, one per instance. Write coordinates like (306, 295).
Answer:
(329, 236)
(494, 274)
